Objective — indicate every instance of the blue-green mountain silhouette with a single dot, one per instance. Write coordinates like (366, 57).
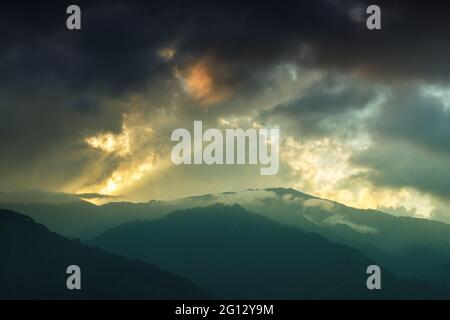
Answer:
(408, 246)
(241, 255)
(34, 261)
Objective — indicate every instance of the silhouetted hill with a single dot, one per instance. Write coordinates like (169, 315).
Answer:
(238, 254)
(408, 246)
(34, 261)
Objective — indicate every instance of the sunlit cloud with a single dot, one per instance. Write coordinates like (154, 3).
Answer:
(136, 157)
(127, 174)
(111, 143)
(340, 219)
(323, 168)
(321, 163)
(198, 80)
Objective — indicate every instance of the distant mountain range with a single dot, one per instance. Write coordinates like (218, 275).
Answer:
(411, 247)
(34, 261)
(241, 255)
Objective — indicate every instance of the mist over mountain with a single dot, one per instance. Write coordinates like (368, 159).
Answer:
(408, 246)
(37, 196)
(74, 217)
(34, 262)
(238, 254)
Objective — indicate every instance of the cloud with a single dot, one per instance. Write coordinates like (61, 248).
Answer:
(92, 111)
(399, 165)
(119, 48)
(414, 116)
(329, 105)
(319, 203)
(201, 81)
(37, 197)
(411, 145)
(95, 196)
(340, 219)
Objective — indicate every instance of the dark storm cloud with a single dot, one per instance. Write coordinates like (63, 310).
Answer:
(400, 165)
(56, 85)
(42, 140)
(113, 53)
(116, 48)
(327, 107)
(411, 143)
(413, 43)
(416, 118)
(251, 35)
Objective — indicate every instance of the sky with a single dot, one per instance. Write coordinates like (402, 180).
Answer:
(364, 115)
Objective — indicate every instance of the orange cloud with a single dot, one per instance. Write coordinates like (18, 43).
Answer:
(198, 80)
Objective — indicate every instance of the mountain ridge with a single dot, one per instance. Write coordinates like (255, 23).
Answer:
(385, 238)
(238, 254)
(34, 262)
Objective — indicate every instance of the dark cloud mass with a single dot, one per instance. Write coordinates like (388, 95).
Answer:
(412, 143)
(415, 117)
(398, 165)
(174, 61)
(331, 99)
(116, 49)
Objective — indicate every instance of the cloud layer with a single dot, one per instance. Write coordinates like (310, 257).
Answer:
(364, 115)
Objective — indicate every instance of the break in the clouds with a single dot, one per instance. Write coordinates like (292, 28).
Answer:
(363, 115)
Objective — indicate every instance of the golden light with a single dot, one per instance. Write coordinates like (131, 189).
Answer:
(324, 169)
(124, 176)
(111, 143)
(199, 83)
(134, 159)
